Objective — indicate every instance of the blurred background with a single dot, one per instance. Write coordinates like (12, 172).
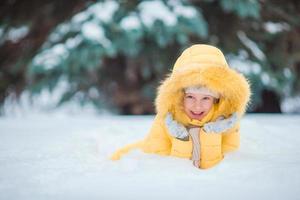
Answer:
(110, 56)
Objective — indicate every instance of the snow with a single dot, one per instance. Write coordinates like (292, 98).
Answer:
(15, 34)
(93, 31)
(89, 25)
(265, 78)
(74, 41)
(104, 11)
(287, 72)
(243, 64)
(252, 46)
(51, 58)
(291, 104)
(130, 22)
(150, 11)
(57, 35)
(183, 10)
(101, 12)
(274, 28)
(60, 156)
(80, 17)
(47, 101)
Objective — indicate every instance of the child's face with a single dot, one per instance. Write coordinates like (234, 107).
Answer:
(197, 105)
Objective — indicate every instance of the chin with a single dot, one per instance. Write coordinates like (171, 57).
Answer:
(199, 118)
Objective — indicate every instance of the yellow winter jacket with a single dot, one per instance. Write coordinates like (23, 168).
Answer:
(198, 65)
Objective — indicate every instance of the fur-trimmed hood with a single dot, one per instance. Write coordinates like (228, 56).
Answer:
(204, 65)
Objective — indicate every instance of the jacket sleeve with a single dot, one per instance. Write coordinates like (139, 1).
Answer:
(157, 141)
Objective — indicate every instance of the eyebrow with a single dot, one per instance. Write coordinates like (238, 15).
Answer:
(204, 95)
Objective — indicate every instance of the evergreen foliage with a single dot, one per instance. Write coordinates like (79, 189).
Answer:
(115, 53)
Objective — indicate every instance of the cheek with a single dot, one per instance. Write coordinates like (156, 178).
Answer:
(207, 105)
(187, 103)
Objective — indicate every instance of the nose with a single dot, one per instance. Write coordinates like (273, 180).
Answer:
(198, 107)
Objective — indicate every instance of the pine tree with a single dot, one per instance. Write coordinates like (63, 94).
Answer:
(115, 53)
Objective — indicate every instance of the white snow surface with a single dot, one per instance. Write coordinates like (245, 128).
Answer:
(58, 156)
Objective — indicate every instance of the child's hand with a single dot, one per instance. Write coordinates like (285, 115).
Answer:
(176, 129)
(221, 125)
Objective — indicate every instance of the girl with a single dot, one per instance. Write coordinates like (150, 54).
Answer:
(198, 109)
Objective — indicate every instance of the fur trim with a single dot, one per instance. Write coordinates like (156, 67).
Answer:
(175, 128)
(233, 87)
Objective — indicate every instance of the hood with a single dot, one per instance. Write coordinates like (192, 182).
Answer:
(206, 66)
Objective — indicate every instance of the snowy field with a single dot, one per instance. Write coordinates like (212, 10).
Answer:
(66, 157)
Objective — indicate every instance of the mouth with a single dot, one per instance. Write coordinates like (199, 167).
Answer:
(197, 114)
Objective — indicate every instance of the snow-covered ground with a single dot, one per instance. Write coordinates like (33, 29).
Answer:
(66, 157)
